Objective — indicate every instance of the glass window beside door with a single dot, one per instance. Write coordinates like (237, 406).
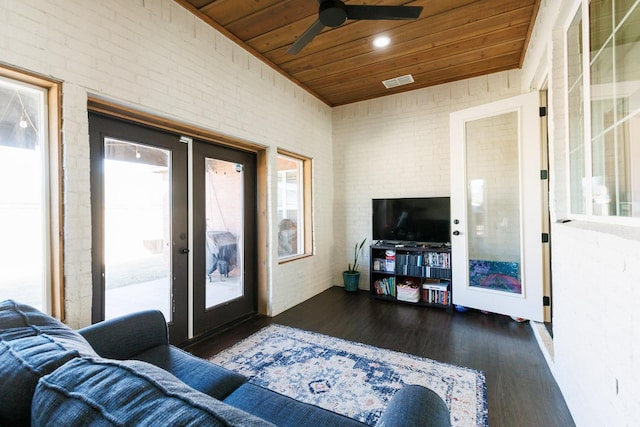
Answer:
(24, 199)
(290, 206)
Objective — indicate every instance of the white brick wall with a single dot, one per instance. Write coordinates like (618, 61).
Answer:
(154, 56)
(596, 276)
(398, 146)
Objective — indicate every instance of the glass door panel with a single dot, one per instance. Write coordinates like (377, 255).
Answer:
(137, 228)
(493, 203)
(224, 207)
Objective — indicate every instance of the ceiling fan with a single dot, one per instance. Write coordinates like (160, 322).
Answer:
(333, 13)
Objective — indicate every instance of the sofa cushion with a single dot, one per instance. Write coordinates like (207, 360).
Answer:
(200, 374)
(283, 410)
(111, 392)
(32, 344)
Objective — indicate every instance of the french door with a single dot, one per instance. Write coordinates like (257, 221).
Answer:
(139, 222)
(496, 207)
(224, 236)
(172, 227)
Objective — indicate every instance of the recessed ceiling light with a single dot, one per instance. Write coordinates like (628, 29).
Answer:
(381, 41)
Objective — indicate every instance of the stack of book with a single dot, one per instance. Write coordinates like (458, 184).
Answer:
(435, 293)
(438, 259)
(431, 264)
(386, 286)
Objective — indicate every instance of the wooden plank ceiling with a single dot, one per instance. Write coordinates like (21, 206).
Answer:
(452, 40)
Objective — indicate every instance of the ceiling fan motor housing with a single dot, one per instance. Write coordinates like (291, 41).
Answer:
(333, 13)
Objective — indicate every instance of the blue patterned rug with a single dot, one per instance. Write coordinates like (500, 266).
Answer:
(353, 379)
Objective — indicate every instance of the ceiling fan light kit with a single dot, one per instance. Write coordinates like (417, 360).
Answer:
(333, 13)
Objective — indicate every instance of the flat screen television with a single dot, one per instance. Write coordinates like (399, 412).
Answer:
(420, 220)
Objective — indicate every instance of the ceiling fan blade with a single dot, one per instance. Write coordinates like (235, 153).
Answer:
(306, 37)
(383, 12)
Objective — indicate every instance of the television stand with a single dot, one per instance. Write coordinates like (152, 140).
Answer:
(386, 243)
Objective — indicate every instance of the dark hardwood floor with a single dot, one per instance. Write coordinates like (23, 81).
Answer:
(520, 387)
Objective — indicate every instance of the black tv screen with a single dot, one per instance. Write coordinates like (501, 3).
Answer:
(422, 220)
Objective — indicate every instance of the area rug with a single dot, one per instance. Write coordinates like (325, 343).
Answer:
(352, 379)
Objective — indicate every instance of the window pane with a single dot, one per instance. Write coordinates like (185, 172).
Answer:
(493, 206)
(23, 215)
(602, 91)
(627, 131)
(224, 201)
(600, 23)
(574, 50)
(290, 206)
(137, 195)
(576, 115)
(627, 54)
(622, 7)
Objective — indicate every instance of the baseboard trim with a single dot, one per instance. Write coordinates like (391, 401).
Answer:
(545, 342)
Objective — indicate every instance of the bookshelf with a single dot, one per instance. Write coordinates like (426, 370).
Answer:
(419, 275)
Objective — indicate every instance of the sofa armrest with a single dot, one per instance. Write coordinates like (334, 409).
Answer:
(414, 405)
(126, 336)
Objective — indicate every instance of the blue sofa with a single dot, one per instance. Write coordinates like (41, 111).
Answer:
(124, 372)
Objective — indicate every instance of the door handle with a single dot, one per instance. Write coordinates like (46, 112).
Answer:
(184, 250)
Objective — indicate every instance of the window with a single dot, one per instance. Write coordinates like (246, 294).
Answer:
(27, 256)
(603, 78)
(294, 212)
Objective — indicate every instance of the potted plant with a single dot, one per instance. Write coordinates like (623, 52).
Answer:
(351, 277)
